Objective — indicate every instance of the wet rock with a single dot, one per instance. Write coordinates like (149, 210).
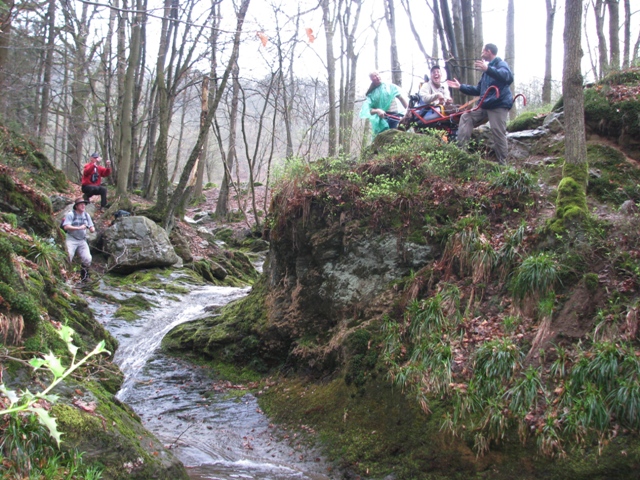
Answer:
(135, 243)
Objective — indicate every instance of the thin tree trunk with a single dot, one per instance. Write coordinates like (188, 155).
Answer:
(548, 48)
(614, 37)
(456, 18)
(204, 109)
(478, 38)
(347, 105)
(627, 34)
(467, 37)
(599, 10)
(124, 164)
(390, 17)
(48, 67)
(329, 30)
(510, 49)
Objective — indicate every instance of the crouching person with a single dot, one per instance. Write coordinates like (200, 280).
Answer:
(76, 223)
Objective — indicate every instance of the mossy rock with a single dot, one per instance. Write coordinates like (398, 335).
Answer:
(114, 439)
(616, 179)
(525, 121)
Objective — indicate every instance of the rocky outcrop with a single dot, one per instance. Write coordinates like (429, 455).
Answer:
(134, 243)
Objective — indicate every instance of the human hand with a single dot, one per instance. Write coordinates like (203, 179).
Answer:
(453, 83)
(481, 65)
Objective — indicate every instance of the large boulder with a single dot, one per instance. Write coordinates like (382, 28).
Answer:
(134, 243)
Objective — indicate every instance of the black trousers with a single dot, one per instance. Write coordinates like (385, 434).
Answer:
(91, 190)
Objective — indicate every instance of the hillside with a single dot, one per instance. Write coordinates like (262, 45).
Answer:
(423, 316)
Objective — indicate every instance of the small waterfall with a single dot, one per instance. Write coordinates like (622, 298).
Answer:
(216, 432)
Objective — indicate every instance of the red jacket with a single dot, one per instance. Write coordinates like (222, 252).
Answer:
(89, 170)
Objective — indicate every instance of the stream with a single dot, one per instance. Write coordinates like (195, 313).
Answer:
(216, 430)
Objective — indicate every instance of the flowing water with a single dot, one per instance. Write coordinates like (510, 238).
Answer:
(215, 431)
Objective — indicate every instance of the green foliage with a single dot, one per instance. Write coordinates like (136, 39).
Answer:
(535, 277)
(45, 253)
(25, 401)
(10, 218)
(496, 361)
(616, 180)
(517, 183)
(608, 116)
(510, 323)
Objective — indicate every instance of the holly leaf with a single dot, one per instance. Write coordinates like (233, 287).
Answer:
(53, 363)
(10, 394)
(48, 421)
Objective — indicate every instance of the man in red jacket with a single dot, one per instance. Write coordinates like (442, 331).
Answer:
(92, 174)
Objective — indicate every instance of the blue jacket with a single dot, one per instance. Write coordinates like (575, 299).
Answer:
(498, 74)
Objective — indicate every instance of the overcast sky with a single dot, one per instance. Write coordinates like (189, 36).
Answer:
(530, 18)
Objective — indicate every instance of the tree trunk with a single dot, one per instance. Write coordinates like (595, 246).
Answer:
(348, 95)
(456, 14)
(204, 109)
(77, 126)
(546, 85)
(452, 49)
(467, 35)
(390, 17)
(222, 207)
(48, 67)
(478, 38)
(124, 163)
(627, 34)
(614, 37)
(329, 30)
(6, 18)
(510, 49)
(599, 10)
(571, 203)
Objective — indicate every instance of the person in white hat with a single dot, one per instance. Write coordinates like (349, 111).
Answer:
(76, 223)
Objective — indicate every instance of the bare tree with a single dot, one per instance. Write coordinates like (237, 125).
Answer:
(180, 194)
(546, 86)
(349, 23)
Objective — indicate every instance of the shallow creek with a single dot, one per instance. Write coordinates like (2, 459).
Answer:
(216, 432)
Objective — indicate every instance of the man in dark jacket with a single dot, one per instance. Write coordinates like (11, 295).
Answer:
(495, 108)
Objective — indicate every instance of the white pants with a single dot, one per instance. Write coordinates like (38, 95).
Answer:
(81, 247)
(497, 119)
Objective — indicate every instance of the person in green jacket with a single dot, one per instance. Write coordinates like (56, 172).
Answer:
(382, 101)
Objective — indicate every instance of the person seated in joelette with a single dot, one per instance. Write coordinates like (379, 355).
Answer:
(434, 92)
